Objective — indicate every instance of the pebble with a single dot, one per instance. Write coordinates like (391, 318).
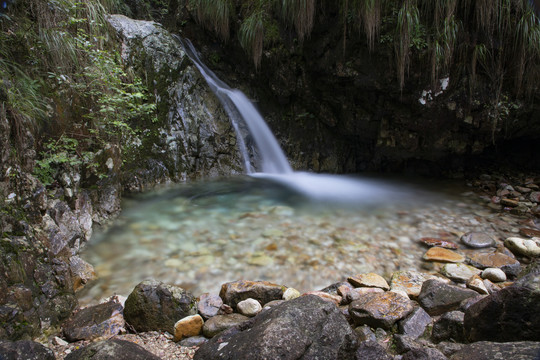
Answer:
(409, 281)
(524, 247)
(459, 272)
(209, 305)
(443, 255)
(188, 326)
(249, 307)
(477, 240)
(371, 280)
(494, 274)
(477, 284)
(291, 293)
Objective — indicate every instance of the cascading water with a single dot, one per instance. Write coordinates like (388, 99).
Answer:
(243, 113)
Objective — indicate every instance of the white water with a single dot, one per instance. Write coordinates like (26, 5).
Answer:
(273, 162)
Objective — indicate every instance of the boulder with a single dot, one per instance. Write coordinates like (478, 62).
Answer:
(112, 349)
(415, 324)
(263, 291)
(485, 350)
(153, 305)
(99, 321)
(24, 349)
(511, 314)
(304, 328)
(449, 327)
(372, 350)
(380, 310)
(437, 297)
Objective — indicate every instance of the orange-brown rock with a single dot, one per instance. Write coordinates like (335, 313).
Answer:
(443, 255)
(380, 310)
(368, 280)
(336, 299)
(188, 326)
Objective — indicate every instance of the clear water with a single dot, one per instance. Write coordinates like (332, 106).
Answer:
(201, 235)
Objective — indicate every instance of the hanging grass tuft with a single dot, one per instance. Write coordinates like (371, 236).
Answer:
(300, 14)
(407, 21)
(251, 36)
(214, 15)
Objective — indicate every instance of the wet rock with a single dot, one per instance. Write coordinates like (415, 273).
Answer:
(511, 314)
(449, 348)
(415, 324)
(209, 305)
(99, 321)
(380, 310)
(494, 274)
(291, 293)
(219, 323)
(409, 281)
(477, 240)
(263, 291)
(368, 280)
(424, 354)
(449, 327)
(486, 350)
(304, 328)
(511, 267)
(443, 255)
(477, 284)
(24, 349)
(193, 341)
(112, 349)
(249, 307)
(459, 272)
(437, 297)
(373, 351)
(523, 247)
(429, 241)
(188, 326)
(335, 299)
(153, 305)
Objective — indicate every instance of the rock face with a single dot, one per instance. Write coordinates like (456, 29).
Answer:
(485, 350)
(194, 132)
(100, 321)
(153, 305)
(24, 349)
(304, 328)
(511, 314)
(112, 349)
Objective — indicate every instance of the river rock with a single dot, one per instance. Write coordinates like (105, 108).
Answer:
(523, 247)
(112, 349)
(209, 305)
(24, 350)
(365, 333)
(529, 233)
(368, 280)
(357, 293)
(449, 327)
(99, 321)
(372, 350)
(494, 274)
(535, 197)
(219, 323)
(415, 324)
(304, 328)
(477, 240)
(437, 297)
(443, 255)
(291, 293)
(510, 266)
(409, 281)
(334, 299)
(188, 326)
(263, 291)
(81, 272)
(486, 350)
(424, 354)
(459, 272)
(249, 307)
(477, 284)
(153, 305)
(380, 310)
(193, 341)
(429, 241)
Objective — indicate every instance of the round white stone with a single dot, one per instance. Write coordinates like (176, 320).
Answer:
(291, 293)
(249, 307)
(494, 274)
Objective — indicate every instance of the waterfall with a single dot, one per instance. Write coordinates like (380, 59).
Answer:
(242, 113)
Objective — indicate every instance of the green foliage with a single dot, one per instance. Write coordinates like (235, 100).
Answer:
(251, 36)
